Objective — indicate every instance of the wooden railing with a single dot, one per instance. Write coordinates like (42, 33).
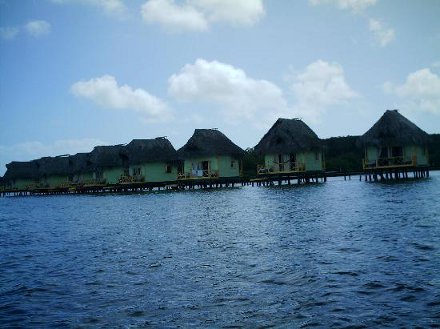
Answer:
(286, 168)
(392, 162)
(198, 174)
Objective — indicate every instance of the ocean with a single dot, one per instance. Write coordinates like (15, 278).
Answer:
(341, 254)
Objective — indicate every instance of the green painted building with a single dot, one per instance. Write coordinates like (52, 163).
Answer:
(290, 146)
(151, 160)
(53, 172)
(21, 175)
(110, 164)
(209, 154)
(395, 142)
(81, 171)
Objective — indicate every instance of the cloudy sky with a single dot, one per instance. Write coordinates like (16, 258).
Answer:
(80, 73)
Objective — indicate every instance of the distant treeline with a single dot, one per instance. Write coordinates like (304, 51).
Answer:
(342, 154)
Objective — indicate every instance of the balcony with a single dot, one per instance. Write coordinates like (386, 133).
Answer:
(199, 174)
(285, 168)
(388, 163)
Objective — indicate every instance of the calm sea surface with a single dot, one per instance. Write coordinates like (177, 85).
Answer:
(343, 254)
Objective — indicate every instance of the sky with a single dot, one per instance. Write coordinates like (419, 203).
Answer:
(79, 73)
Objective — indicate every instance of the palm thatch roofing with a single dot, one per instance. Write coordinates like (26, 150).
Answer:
(288, 136)
(53, 166)
(108, 156)
(150, 150)
(394, 129)
(21, 170)
(209, 142)
(80, 163)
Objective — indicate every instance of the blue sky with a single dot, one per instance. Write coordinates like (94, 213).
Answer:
(80, 73)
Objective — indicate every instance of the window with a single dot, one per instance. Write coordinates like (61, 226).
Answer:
(168, 168)
(396, 151)
(316, 156)
(383, 152)
(232, 163)
(137, 171)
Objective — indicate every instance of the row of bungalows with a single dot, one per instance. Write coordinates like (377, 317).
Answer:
(289, 149)
(208, 154)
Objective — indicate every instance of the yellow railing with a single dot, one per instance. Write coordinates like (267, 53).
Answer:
(392, 162)
(198, 174)
(275, 169)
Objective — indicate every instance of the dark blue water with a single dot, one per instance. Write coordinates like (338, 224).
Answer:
(341, 254)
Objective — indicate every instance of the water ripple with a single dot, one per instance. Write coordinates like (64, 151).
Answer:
(341, 254)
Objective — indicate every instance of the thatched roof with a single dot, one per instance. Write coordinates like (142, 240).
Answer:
(23, 170)
(150, 150)
(53, 166)
(80, 163)
(288, 136)
(209, 142)
(108, 156)
(394, 129)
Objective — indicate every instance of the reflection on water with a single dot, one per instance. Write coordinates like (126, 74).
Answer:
(340, 254)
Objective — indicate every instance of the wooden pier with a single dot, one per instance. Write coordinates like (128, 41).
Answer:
(141, 187)
(385, 174)
(289, 178)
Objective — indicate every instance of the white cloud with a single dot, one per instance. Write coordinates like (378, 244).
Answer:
(111, 7)
(246, 12)
(197, 15)
(420, 92)
(239, 96)
(382, 34)
(9, 32)
(37, 28)
(353, 5)
(172, 16)
(105, 92)
(436, 64)
(318, 87)
(35, 149)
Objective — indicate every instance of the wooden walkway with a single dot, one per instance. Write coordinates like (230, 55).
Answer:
(273, 179)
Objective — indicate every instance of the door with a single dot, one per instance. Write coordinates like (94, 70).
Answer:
(205, 168)
(280, 162)
(292, 160)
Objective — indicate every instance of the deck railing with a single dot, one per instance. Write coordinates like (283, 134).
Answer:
(285, 169)
(194, 174)
(392, 162)
(124, 179)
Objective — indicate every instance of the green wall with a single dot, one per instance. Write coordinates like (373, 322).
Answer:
(155, 172)
(55, 181)
(228, 166)
(421, 152)
(21, 183)
(83, 178)
(112, 175)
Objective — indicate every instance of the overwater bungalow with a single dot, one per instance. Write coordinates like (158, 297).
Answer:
(53, 171)
(110, 164)
(151, 160)
(81, 169)
(21, 175)
(290, 147)
(209, 154)
(395, 144)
